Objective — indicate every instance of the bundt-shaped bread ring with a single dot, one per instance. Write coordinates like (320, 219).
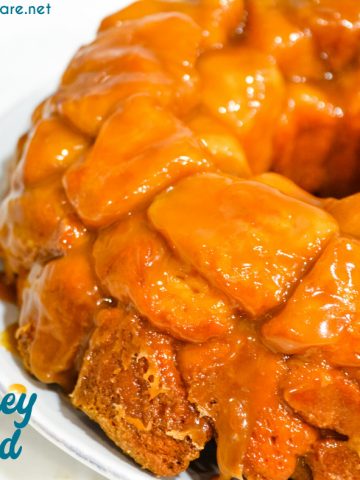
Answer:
(183, 227)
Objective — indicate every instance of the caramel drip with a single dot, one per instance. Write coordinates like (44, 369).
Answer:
(8, 340)
(17, 388)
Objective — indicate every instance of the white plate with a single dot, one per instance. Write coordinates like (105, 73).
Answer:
(53, 417)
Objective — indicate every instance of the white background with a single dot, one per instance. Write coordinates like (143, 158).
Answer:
(33, 51)
(36, 48)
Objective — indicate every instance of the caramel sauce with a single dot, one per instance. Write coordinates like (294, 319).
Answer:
(235, 382)
(8, 340)
(17, 388)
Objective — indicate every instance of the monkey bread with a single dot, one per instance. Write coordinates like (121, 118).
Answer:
(182, 224)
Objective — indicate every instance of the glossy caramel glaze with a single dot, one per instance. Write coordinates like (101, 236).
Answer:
(8, 340)
(182, 224)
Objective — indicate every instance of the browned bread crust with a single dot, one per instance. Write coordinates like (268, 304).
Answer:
(130, 385)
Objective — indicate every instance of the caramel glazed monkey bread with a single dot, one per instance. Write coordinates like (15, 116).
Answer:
(183, 227)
